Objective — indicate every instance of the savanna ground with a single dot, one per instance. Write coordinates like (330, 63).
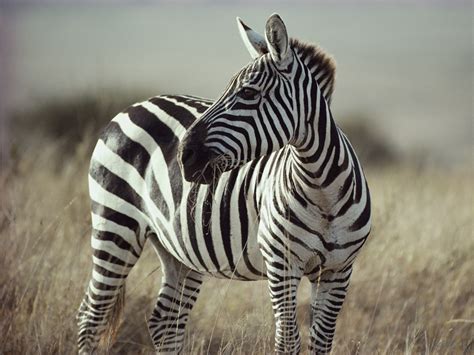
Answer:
(411, 289)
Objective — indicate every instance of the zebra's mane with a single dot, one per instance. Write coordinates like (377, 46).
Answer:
(321, 64)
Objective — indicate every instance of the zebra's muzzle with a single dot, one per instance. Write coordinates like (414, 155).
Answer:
(196, 164)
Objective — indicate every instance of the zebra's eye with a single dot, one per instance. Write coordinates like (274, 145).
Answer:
(248, 93)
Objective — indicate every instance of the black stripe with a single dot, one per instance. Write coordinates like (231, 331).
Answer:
(244, 220)
(270, 125)
(199, 104)
(118, 240)
(115, 184)
(363, 218)
(166, 140)
(191, 215)
(335, 169)
(106, 256)
(267, 137)
(115, 216)
(357, 175)
(185, 117)
(130, 151)
(297, 92)
(157, 196)
(333, 146)
(103, 271)
(225, 218)
(207, 225)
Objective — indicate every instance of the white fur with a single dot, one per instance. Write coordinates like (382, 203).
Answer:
(278, 43)
(254, 41)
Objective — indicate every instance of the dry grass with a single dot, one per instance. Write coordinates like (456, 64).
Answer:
(411, 290)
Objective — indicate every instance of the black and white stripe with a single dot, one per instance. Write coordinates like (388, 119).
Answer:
(260, 184)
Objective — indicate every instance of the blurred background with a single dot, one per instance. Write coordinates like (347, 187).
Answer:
(405, 67)
(404, 96)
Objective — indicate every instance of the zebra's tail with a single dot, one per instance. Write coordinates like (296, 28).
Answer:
(115, 319)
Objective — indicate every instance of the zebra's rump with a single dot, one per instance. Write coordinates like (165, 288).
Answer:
(136, 153)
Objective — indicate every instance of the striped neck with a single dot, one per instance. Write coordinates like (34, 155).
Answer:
(323, 169)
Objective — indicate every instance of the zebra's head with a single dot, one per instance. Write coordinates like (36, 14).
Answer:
(257, 113)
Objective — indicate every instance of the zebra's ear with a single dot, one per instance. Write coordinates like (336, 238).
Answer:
(254, 41)
(277, 41)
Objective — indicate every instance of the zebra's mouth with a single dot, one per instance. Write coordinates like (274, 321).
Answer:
(198, 164)
(206, 175)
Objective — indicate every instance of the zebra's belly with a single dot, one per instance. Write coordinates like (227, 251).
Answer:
(217, 254)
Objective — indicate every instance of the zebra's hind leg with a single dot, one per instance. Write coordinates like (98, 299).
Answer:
(327, 296)
(117, 242)
(179, 290)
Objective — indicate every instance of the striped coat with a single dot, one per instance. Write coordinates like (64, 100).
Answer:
(260, 184)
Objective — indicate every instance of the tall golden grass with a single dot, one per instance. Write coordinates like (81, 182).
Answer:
(411, 289)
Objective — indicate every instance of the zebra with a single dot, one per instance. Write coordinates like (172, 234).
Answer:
(260, 184)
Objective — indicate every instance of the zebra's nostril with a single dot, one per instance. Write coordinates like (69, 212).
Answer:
(189, 156)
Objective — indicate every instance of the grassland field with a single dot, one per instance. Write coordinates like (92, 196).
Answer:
(411, 290)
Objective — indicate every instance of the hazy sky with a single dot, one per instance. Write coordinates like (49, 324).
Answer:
(406, 66)
(225, 1)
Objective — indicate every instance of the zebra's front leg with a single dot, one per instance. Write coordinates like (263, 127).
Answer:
(283, 281)
(327, 296)
(179, 290)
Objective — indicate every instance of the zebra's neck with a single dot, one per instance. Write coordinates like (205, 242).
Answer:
(323, 171)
